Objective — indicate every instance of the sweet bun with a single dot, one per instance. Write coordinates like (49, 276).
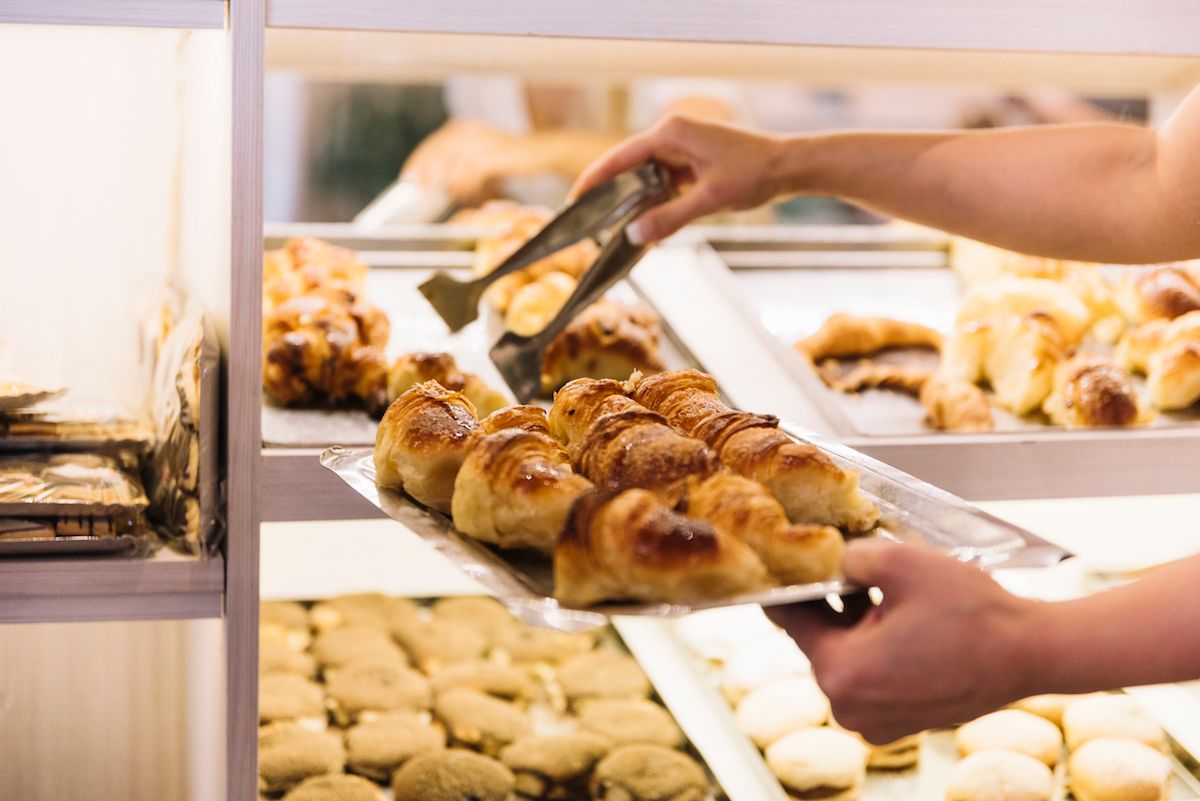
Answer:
(1011, 730)
(1107, 716)
(770, 712)
(1000, 776)
(1108, 769)
(819, 763)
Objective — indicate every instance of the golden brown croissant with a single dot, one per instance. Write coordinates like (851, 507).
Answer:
(536, 303)
(1090, 391)
(1163, 292)
(1173, 376)
(422, 441)
(525, 418)
(578, 404)
(490, 252)
(515, 489)
(606, 340)
(991, 301)
(1016, 355)
(629, 546)
(414, 368)
(875, 375)
(953, 404)
(1138, 344)
(304, 266)
(794, 553)
(844, 335)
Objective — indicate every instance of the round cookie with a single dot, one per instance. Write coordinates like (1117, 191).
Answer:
(434, 644)
(624, 721)
(368, 609)
(823, 763)
(1110, 716)
(453, 776)
(487, 615)
(648, 773)
(1108, 769)
(602, 674)
(275, 657)
(509, 682)
(335, 787)
(777, 709)
(348, 644)
(478, 721)
(1011, 730)
(522, 643)
(289, 753)
(367, 687)
(289, 697)
(554, 766)
(285, 623)
(376, 748)
(1000, 776)
(765, 661)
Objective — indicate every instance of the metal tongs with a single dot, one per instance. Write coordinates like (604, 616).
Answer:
(601, 213)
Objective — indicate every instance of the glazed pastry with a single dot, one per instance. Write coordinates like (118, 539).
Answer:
(630, 546)
(453, 776)
(290, 697)
(553, 767)
(629, 721)
(349, 644)
(503, 681)
(536, 303)
(1119, 770)
(434, 644)
(530, 644)
(1091, 391)
(992, 301)
(367, 609)
(580, 403)
(526, 418)
(335, 788)
(485, 398)
(602, 674)
(648, 773)
(376, 748)
(417, 368)
(819, 763)
(362, 689)
(770, 712)
(274, 657)
(289, 753)
(1173, 379)
(794, 553)
(1139, 344)
(1000, 776)
(284, 622)
(480, 722)
(515, 489)
(1163, 292)
(952, 404)
(422, 441)
(606, 340)
(1105, 716)
(844, 335)
(1011, 730)
(1017, 356)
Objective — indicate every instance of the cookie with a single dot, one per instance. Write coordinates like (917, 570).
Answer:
(522, 643)
(509, 682)
(1108, 769)
(486, 614)
(366, 687)
(288, 753)
(289, 697)
(368, 609)
(554, 767)
(348, 644)
(480, 722)
(786, 706)
(435, 644)
(376, 748)
(1000, 776)
(453, 776)
(648, 773)
(335, 787)
(820, 763)
(624, 721)
(275, 657)
(1011, 730)
(1110, 716)
(602, 674)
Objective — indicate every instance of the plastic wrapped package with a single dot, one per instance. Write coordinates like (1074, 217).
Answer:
(51, 431)
(15, 396)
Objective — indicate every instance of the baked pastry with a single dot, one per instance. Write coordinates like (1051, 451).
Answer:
(1050, 706)
(648, 773)
(509, 682)
(629, 545)
(1000, 776)
(1091, 391)
(486, 614)
(335, 788)
(304, 264)
(1016, 355)
(366, 609)
(1108, 716)
(873, 375)
(1166, 292)
(349, 644)
(720, 634)
(1007, 297)
(535, 304)
(602, 674)
(897, 755)
(820, 763)
(1138, 344)
(434, 644)
(274, 657)
(289, 753)
(1173, 377)
(606, 340)
(453, 776)
(289, 697)
(844, 335)
(554, 767)
(375, 748)
(362, 689)
(794, 553)
(765, 661)
(624, 721)
(284, 622)
(478, 721)
(1011, 730)
(515, 489)
(1119, 770)
(526, 418)
(422, 441)
(770, 712)
(952, 404)
(530, 644)
(417, 368)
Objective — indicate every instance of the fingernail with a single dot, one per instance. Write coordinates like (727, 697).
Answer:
(636, 232)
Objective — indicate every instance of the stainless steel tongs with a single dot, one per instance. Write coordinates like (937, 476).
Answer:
(601, 213)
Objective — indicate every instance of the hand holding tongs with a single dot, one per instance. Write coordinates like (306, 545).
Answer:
(600, 213)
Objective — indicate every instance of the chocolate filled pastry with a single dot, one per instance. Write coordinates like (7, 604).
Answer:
(289, 753)
(648, 773)
(284, 622)
(794, 553)
(628, 721)
(422, 441)
(375, 748)
(335, 788)
(953, 404)
(844, 335)
(434, 644)
(602, 674)
(368, 609)
(480, 722)
(453, 776)
(515, 489)
(274, 657)
(554, 767)
(606, 340)
(349, 644)
(290, 697)
(1091, 391)
(417, 368)
(530, 644)
(526, 418)
(630, 546)
(1016, 355)
(510, 682)
(362, 689)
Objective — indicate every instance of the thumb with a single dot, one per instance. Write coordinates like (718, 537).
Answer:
(661, 221)
(877, 562)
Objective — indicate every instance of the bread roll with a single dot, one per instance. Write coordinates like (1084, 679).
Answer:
(1091, 391)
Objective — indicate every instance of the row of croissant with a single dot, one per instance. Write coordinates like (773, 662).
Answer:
(650, 490)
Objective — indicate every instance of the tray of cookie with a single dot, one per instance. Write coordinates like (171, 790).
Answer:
(756, 714)
(651, 497)
(953, 335)
(378, 697)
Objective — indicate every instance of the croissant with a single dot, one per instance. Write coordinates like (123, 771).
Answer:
(629, 546)
(988, 302)
(1164, 292)
(525, 418)
(606, 340)
(1090, 391)
(636, 448)
(875, 375)
(304, 266)
(422, 441)
(535, 304)
(1173, 376)
(794, 553)
(578, 404)
(415, 368)
(515, 489)
(1016, 355)
(844, 335)
(952, 404)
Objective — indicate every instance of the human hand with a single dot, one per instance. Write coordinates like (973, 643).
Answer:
(465, 158)
(714, 165)
(946, 644)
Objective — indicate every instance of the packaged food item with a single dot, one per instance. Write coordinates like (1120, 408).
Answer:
(15, 395)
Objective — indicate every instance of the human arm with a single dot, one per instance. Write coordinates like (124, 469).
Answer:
(1100, 192)
(947, 643)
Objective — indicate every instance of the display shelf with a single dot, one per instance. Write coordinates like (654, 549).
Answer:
(194, 14)
(167, 586)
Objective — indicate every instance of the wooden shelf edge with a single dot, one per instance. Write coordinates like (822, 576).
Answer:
(189, 14)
